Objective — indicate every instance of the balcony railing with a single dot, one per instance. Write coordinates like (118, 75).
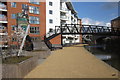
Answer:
(3, 45)
(3, 34)
(64, 9)
(64, 17)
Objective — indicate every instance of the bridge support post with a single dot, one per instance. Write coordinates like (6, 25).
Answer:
(61, 35)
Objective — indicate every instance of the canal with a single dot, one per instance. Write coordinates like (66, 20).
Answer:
(111, 57)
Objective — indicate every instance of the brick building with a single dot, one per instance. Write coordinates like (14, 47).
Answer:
(115, 23)
(43, 17)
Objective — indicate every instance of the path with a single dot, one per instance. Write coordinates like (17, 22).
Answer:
(73, 62)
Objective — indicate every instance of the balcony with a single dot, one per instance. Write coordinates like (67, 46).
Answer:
(3, 18)
(63, 17)
(3, 45)
(3, 32)
(3, 10)
(3, 7)
(63, 9)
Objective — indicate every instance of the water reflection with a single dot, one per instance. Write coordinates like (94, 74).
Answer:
(103, 57)
(108, 57)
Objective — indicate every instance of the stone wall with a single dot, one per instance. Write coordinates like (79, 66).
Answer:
(19, 70)
(23, 68)
(39, 54)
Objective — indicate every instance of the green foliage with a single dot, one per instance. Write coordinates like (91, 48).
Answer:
(15, 59)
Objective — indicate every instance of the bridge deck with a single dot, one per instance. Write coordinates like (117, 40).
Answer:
(73, 62)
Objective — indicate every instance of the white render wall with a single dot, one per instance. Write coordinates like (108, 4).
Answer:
(55, 16)
(69, 21)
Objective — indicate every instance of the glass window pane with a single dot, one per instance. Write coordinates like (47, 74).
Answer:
(13, 4)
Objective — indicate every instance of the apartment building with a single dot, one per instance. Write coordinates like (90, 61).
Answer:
(63, 13)
(37, 18)
(52, 14)
(43, 17)
(3, 25)
(68, 15)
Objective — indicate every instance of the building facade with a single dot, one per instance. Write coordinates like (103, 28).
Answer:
(37, 19)
(43, 17)
(68, 15)
(3, 25)
(52, 14)
(115, 23)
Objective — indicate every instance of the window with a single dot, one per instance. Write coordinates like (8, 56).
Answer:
(13, 4)
(34, 20)
(13, 27)
(33, 9)
(50, 21)
(34, 2)
(24, 6)
(13, 16)
(34, 30)
(50, 3)
(35, 38)
(50, 30)
(14, 39)
(50, 12)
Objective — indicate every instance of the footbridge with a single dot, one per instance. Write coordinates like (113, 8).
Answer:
(77, 29)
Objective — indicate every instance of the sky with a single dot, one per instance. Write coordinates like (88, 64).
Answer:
(98, 13)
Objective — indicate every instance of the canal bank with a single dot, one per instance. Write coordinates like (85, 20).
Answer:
(73, 62)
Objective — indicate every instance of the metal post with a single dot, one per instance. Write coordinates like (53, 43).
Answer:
(21, 47)
(61, 35)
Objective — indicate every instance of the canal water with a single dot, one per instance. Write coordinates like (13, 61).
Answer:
(111, 58)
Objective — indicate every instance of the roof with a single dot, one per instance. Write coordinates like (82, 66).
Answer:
(70, 7)
(118, 18)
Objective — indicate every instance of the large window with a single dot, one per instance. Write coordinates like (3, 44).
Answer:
(33, 9)
(34, 30)
(13, 16)
(34, 20)
(34, 2)
(13, 4)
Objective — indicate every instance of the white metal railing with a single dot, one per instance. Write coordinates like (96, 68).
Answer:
(3, 45)
(4, 33)
(64, 17)
(63, 9)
